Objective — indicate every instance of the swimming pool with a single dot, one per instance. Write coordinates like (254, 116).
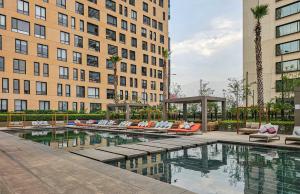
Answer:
(223, 169)
(72, 139)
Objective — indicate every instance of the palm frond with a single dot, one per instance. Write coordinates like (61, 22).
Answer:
(260, 11)
(166, 54)
(114, 59)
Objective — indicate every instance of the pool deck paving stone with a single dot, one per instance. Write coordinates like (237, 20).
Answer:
(28, 167)
(148, 149)
(168, 147)
(182, 144)
(128, 153)
(98, 155)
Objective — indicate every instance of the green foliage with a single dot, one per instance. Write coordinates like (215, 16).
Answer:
(260, 11)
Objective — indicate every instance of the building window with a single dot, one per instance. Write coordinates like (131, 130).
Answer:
(0, 42)
(78, 41)
(26, 87)
(287, 29)
(81, 25)
(82, 75)
(1, 3)
(95, 107)
(45, 70)
(59, 90)
(122, 38)
(124, 53)
(21, 46)
(62, 20)
(133, 69)
(112, 20)
(112, 50)
(23, 7)
(16, 86)
(75, 74)
(68, 90)
(61, 3)
(133, 28)
(94, 13)
(80, 91)
(288, 66)
(77, 58)
(73, 23)
(122, 81)
(42, 50)
(19, 66)
(144, 84)
(41, 88)
(109, 64)
(94, 45)
(79, 8)
(110, 35)
(144, 71)
(145, 6)
(93, 1)
(110, 94)
(132, 55)
(123, 67)
(110, 5)
(134, 42)
(2, 21)
(94, 77)
(5, 85)
(20, 26)
(133, 15)
(93, 92)
(288, 47)
(288, 10)
(74, 106)
(20, 105)
(64, 38)
(110, 79)
(3, 105)
(63, 72)
(92, 61)
(36, 68)
(39, 31)
(62, 106)
(92, 29)
(124, 25)
(40, 12)
(2, 64)
(44, 105)
(61, 54)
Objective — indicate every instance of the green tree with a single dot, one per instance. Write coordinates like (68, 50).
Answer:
(166, 55)
(259, 12)
(115, 59)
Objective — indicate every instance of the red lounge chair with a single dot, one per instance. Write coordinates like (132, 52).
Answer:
(195, 128)
(150, 124)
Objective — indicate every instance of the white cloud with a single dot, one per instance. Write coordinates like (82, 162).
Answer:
(223, 33)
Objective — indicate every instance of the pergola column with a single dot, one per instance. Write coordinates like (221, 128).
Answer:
(127, 109)
(224, 110)
(184, 111)
(204, 114)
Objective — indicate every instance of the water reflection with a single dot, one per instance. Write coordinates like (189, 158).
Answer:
(71, 140)
(223, 168)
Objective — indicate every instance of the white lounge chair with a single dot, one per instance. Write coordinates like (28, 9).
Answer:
(295, 137)
(266, 136)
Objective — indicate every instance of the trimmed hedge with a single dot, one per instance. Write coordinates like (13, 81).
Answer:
(285, 127)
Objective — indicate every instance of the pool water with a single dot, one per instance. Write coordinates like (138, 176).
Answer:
(71, 140)
(223, 169)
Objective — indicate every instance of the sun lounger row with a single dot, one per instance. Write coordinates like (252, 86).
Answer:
(40, 124)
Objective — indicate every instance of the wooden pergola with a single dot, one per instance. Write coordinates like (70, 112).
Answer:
(198, 99)
(127, 107)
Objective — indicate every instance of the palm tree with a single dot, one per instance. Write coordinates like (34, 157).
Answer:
(259, 12)
(114, 60)
(165, 55)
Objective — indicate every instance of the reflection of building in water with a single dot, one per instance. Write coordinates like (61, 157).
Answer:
(149, 165)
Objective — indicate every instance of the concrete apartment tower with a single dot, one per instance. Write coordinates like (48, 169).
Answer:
(53, 53)
(280, 42)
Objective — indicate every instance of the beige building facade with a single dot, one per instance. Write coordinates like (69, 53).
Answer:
(53, 53)
(280, 42)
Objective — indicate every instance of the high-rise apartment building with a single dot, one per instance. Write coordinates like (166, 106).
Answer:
(53, 53)
(280, 45)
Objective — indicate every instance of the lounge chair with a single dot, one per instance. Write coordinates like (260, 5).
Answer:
(122, 126)
(142, 125)
(193, 129)
(105, 123)
(250, 128)
(295, 137)
(16, 124)
(266, 135)
(160, 127)
(39, 124)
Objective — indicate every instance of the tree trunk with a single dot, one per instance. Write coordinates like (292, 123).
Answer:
(259, 71)
(165, 90)
(116, 98)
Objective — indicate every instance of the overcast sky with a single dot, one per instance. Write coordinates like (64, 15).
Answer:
(206, 42)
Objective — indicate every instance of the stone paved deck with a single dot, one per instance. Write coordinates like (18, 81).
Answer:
(148, 149)
(168, 147)
(128, 153)
(98, 155)
(182, 144)
(27, 168)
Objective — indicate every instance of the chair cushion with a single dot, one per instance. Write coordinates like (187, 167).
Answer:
(254, 125)
(263, 129)
(297, 131)
(271, 130)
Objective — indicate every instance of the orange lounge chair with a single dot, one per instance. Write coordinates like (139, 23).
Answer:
(195, 128)
(150, 124)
